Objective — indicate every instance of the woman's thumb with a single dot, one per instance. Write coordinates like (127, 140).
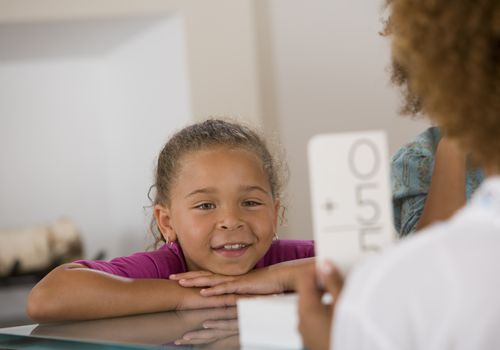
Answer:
(331, 279)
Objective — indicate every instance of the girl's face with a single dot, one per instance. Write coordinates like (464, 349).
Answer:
(221, 210)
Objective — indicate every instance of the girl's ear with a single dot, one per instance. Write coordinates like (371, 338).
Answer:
(164, 222)
(277, 206)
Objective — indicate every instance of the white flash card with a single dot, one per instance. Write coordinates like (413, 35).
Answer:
(350, 196)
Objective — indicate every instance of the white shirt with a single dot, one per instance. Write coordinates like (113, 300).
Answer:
(437, 290)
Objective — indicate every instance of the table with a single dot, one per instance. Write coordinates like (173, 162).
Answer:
(215, 328)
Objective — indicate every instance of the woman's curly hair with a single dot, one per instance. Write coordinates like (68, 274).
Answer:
(446, 58)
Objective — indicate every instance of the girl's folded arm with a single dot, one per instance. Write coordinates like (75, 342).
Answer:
(74, 292)
(277, 278)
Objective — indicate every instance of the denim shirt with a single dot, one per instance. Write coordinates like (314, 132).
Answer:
(411, 174)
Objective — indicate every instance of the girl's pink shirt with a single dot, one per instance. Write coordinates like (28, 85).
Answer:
(168, 259)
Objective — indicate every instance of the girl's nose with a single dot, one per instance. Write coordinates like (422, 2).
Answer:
(230, 220)
(230, 226)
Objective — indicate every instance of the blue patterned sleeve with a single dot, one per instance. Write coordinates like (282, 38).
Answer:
(411, 175)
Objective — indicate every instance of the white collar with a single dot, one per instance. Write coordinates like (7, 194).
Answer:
(488, 194)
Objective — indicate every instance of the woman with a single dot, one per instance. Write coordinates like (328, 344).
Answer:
(438, 289)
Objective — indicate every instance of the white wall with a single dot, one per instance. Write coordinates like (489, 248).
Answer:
(220, 43)
(300, 67)
(324, 69)
(214, 42)
(85, 107)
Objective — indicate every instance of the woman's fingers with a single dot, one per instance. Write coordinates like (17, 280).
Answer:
(309, 294)
(331, 279)
(314, 317)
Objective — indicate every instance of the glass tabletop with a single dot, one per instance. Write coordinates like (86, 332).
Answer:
(215, 328)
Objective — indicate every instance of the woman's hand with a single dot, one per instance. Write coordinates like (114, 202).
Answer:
(315, 317)
(273, 279)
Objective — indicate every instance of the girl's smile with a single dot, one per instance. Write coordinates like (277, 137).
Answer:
(232, 250)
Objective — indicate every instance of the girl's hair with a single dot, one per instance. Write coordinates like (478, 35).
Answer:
(205, 135)
(446, 56)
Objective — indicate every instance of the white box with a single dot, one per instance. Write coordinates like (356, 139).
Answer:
(270, 321)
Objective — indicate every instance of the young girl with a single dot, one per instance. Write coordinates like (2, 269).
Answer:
(216, 210)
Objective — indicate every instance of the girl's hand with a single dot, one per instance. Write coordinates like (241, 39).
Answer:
(200, 279)
(273, 279)
(255, 282)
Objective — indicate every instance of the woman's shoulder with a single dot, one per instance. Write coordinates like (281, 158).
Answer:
(412, 164)
(424, 145)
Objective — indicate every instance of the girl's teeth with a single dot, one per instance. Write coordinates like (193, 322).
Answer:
(234, 246)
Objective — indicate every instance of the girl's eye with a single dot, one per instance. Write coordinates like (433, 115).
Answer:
(251, 203)
(205, 206)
